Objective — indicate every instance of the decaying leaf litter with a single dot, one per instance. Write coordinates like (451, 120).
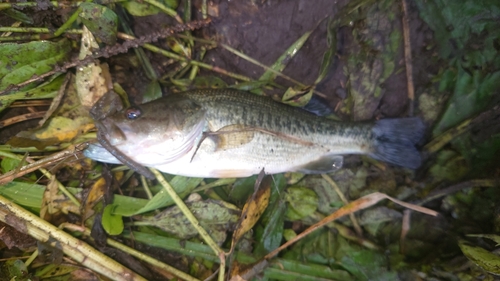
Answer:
(355, 61)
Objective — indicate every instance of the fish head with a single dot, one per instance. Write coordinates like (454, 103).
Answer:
(156, 132)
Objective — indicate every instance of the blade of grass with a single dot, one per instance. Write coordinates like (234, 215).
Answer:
(282, 61)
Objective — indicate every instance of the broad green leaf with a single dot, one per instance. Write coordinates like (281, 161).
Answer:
(22, 193)
(454, 22)
(9, 164)
(471, 94)
(112, 224)
(302, 202)
(269, 232)
(152, 92)
(493, 237)
(182, 186)
(283, 60)
(100, 20)
(216, 217)
(46, 90)
(19, 62)
(484, 259)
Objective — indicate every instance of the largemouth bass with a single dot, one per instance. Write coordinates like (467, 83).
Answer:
(220, 133)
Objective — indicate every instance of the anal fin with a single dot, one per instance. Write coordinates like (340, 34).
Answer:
(325, 164)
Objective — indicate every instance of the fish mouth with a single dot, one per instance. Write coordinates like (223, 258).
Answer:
(113, 133)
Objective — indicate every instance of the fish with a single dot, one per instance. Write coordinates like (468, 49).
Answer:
(228, 133)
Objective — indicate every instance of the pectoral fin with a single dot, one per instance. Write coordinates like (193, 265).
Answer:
(233, 136)
(325, 164)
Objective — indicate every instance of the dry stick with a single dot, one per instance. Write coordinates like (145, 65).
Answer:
(361, 203)
(26, 103)
(111, 51)
(56, 4)
(41, 230)
(405, 228)
(458, 187)
(54, 158)
(408, 58)
(21, 118)
(354, 221)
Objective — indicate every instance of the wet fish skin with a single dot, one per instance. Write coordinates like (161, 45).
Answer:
(229, 133)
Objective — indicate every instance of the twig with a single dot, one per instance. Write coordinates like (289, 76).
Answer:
(458, 187)
(438, 142)
(10, 176)
(41, 230)
(408, 59)
(405, 228)
(111, 51)
(21, 118)
(26, 103)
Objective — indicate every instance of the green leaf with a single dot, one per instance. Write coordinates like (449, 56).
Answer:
(302, 202)
(153, 91)
(283, 60)
(112, 224)
(182, 186)
(281, 269)
(136, 8)
(329, 53)
(16, 270)
(471, 95)
(216, 217)
(101, 21)
(20, 62)
(484, 259)
(453, 22)
(22, 193)
(493, 237)
(295, 97)
(9, 164)
(46, 90)
(269, 232)
(18, 16)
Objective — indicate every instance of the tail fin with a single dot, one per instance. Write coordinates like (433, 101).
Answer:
(395, 141)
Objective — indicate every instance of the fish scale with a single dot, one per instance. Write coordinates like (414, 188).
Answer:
(231, 133)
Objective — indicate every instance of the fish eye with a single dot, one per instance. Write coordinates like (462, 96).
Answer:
(132, 113)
